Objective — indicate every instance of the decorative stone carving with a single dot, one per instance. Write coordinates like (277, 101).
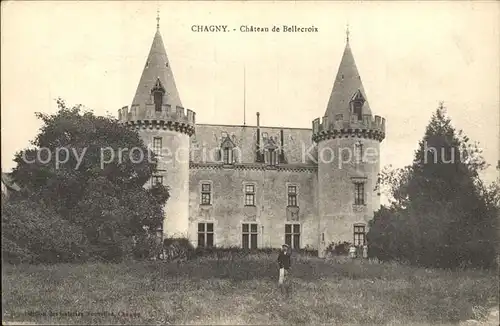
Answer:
(250, 213)
(206, 212)
(358, 208)
(292, 213)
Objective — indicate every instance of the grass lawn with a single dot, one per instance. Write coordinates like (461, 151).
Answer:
(244, 290)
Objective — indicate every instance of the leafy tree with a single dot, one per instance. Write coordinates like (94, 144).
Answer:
(442, 214)
(91, 171)
(33, 232)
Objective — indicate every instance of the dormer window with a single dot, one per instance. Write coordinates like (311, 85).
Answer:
(158, 91)
(357, 102)
(271, 157)
(227, 150)
(357, 109)
(227, 155)
(158, 100)
(271, 151)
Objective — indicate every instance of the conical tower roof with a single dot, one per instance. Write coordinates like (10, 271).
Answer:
(346, 87)
(157, 67)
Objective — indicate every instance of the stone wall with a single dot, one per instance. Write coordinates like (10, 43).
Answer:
(173, 165)
(228, 211)
(336, 191)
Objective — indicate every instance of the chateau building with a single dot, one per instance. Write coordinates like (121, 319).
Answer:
(260, 186)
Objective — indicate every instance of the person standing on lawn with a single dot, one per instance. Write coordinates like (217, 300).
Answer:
(284, 264)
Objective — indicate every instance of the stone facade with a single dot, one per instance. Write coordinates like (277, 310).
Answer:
(269, 209)
(260, 186)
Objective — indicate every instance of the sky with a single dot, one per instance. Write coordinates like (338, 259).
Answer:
(410, 55)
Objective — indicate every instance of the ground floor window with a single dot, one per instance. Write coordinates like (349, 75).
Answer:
(292, 235)
(249, 236)
(359, 235)
(205, 234)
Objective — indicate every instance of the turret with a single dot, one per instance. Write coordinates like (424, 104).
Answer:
(348, 138)
(158, 115)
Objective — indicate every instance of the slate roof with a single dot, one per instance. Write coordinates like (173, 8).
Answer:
(347, 83)
(157, 67)
(295, 141)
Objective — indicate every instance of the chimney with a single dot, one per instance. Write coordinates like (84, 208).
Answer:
(258, 120)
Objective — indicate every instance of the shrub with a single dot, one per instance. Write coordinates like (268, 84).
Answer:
(33, 232)
(308, 252)
(338, 249)
(177, 249)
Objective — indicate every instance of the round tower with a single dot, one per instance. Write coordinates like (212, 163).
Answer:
(165, 126)
(348, 141)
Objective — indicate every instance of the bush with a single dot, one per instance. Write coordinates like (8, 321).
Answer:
(177, 249)
(35, 233)
(338, 249)
(428, 239)
(308, 252)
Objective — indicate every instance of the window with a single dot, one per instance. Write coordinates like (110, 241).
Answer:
(249, 195)
(338, 117)
(156, 180)
(157, 146)
(249, 236)
(357, 109)
(358, 152)
(227, 155)
(158, 99)
(292, 195)
(359, 235)
(271, 157)
(292, 235)
(206, 194)
(205, 234)
(359, 193)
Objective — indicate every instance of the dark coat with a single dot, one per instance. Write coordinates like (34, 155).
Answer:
(284, 260)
